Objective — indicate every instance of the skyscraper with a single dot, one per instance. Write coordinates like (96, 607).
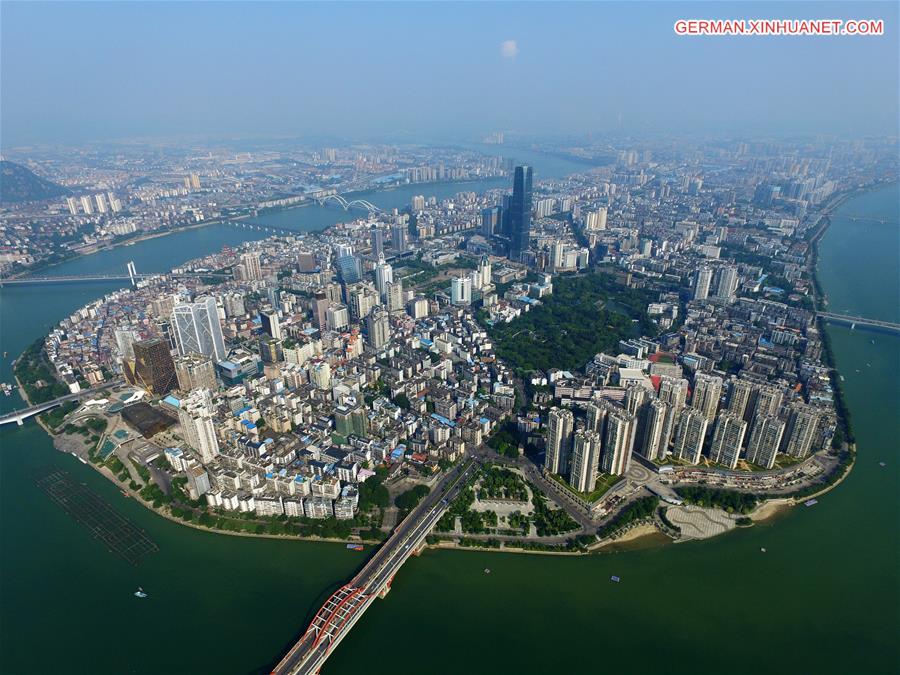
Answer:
(384, 275)
(520, 206)
(153, 366)
(461, 291)
(728, 437)
(739, 394)
(196, 417)
(378, 327)
(560, 424)
(765, 439)
(803, 422)
(195, 371)
(251, 267)
(707, 393)
(270, 323)
(377, 242)
(689, 438)
(728, 282)
(618, 438)
(197, 328)
(702, 282)
(655, 442)
(585, 461)
(398, 237)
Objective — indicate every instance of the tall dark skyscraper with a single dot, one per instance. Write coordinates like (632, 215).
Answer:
(520, 212)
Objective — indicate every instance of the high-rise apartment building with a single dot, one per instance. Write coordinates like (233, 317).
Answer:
(196, 417)
(740, 394)
(727, 439)
(560, 425)
(195, 371)
(689, 437)
(702, 283)
(655, 442)
(618, 437)
(765, 440)
(378, 327)
(585, 461)
(803, 423)
(707, 394)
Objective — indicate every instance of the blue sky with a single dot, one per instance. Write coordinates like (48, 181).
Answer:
(93, 71)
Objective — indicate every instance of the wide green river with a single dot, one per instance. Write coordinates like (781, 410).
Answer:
(824, 598)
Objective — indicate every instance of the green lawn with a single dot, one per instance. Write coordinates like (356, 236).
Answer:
(604, 483)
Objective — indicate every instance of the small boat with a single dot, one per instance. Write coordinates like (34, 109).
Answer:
(355, 547)
(139, 593)
(125, 494)
(881, 464)
(615, 578)
(810, 502)
(487, 570)
(762, 550)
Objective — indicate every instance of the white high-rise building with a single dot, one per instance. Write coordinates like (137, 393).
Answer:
(384, 275)
(251, 266)
(702, 283)
(86, 205)
(739, 395)
(596, 220)
(728, 282)
(461, 291)
(803, 423)
(100, 199)
(197, 328)
(560, 424)
(196, 417)
(378, 327)
(72, 204)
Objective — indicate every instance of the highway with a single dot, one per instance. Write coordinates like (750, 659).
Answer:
(342, 610)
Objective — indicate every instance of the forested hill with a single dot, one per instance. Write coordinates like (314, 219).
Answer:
(586, 314)
(21, 184)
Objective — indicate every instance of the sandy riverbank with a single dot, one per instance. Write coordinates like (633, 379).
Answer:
(771, 509)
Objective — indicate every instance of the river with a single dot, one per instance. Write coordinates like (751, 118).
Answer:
(823, 599)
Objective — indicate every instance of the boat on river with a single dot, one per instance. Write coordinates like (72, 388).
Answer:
(139, 593)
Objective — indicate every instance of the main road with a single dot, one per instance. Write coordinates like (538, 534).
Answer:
(343, 609)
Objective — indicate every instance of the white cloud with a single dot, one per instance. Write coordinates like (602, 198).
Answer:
(509, 49)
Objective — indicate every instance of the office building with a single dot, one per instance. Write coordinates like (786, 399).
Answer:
(197, 328)
(197, 425)
(398, 238)
(727, 439)
(520, 206)
(490, 220)
(351, 420)
(349, 269)
(384, 275)
(461, 291)
(195, 371)
(270, 323)
(560, 425)
(337, 317)
(765, 440)
(153, 366)
(377, 236)
(585, 461)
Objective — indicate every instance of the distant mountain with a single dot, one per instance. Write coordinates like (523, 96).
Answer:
(21, 184)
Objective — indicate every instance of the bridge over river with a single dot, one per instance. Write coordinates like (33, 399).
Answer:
(861, 322)
(19, 416)
(344, 608)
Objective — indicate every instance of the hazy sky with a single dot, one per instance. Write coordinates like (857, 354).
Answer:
(74, 72)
